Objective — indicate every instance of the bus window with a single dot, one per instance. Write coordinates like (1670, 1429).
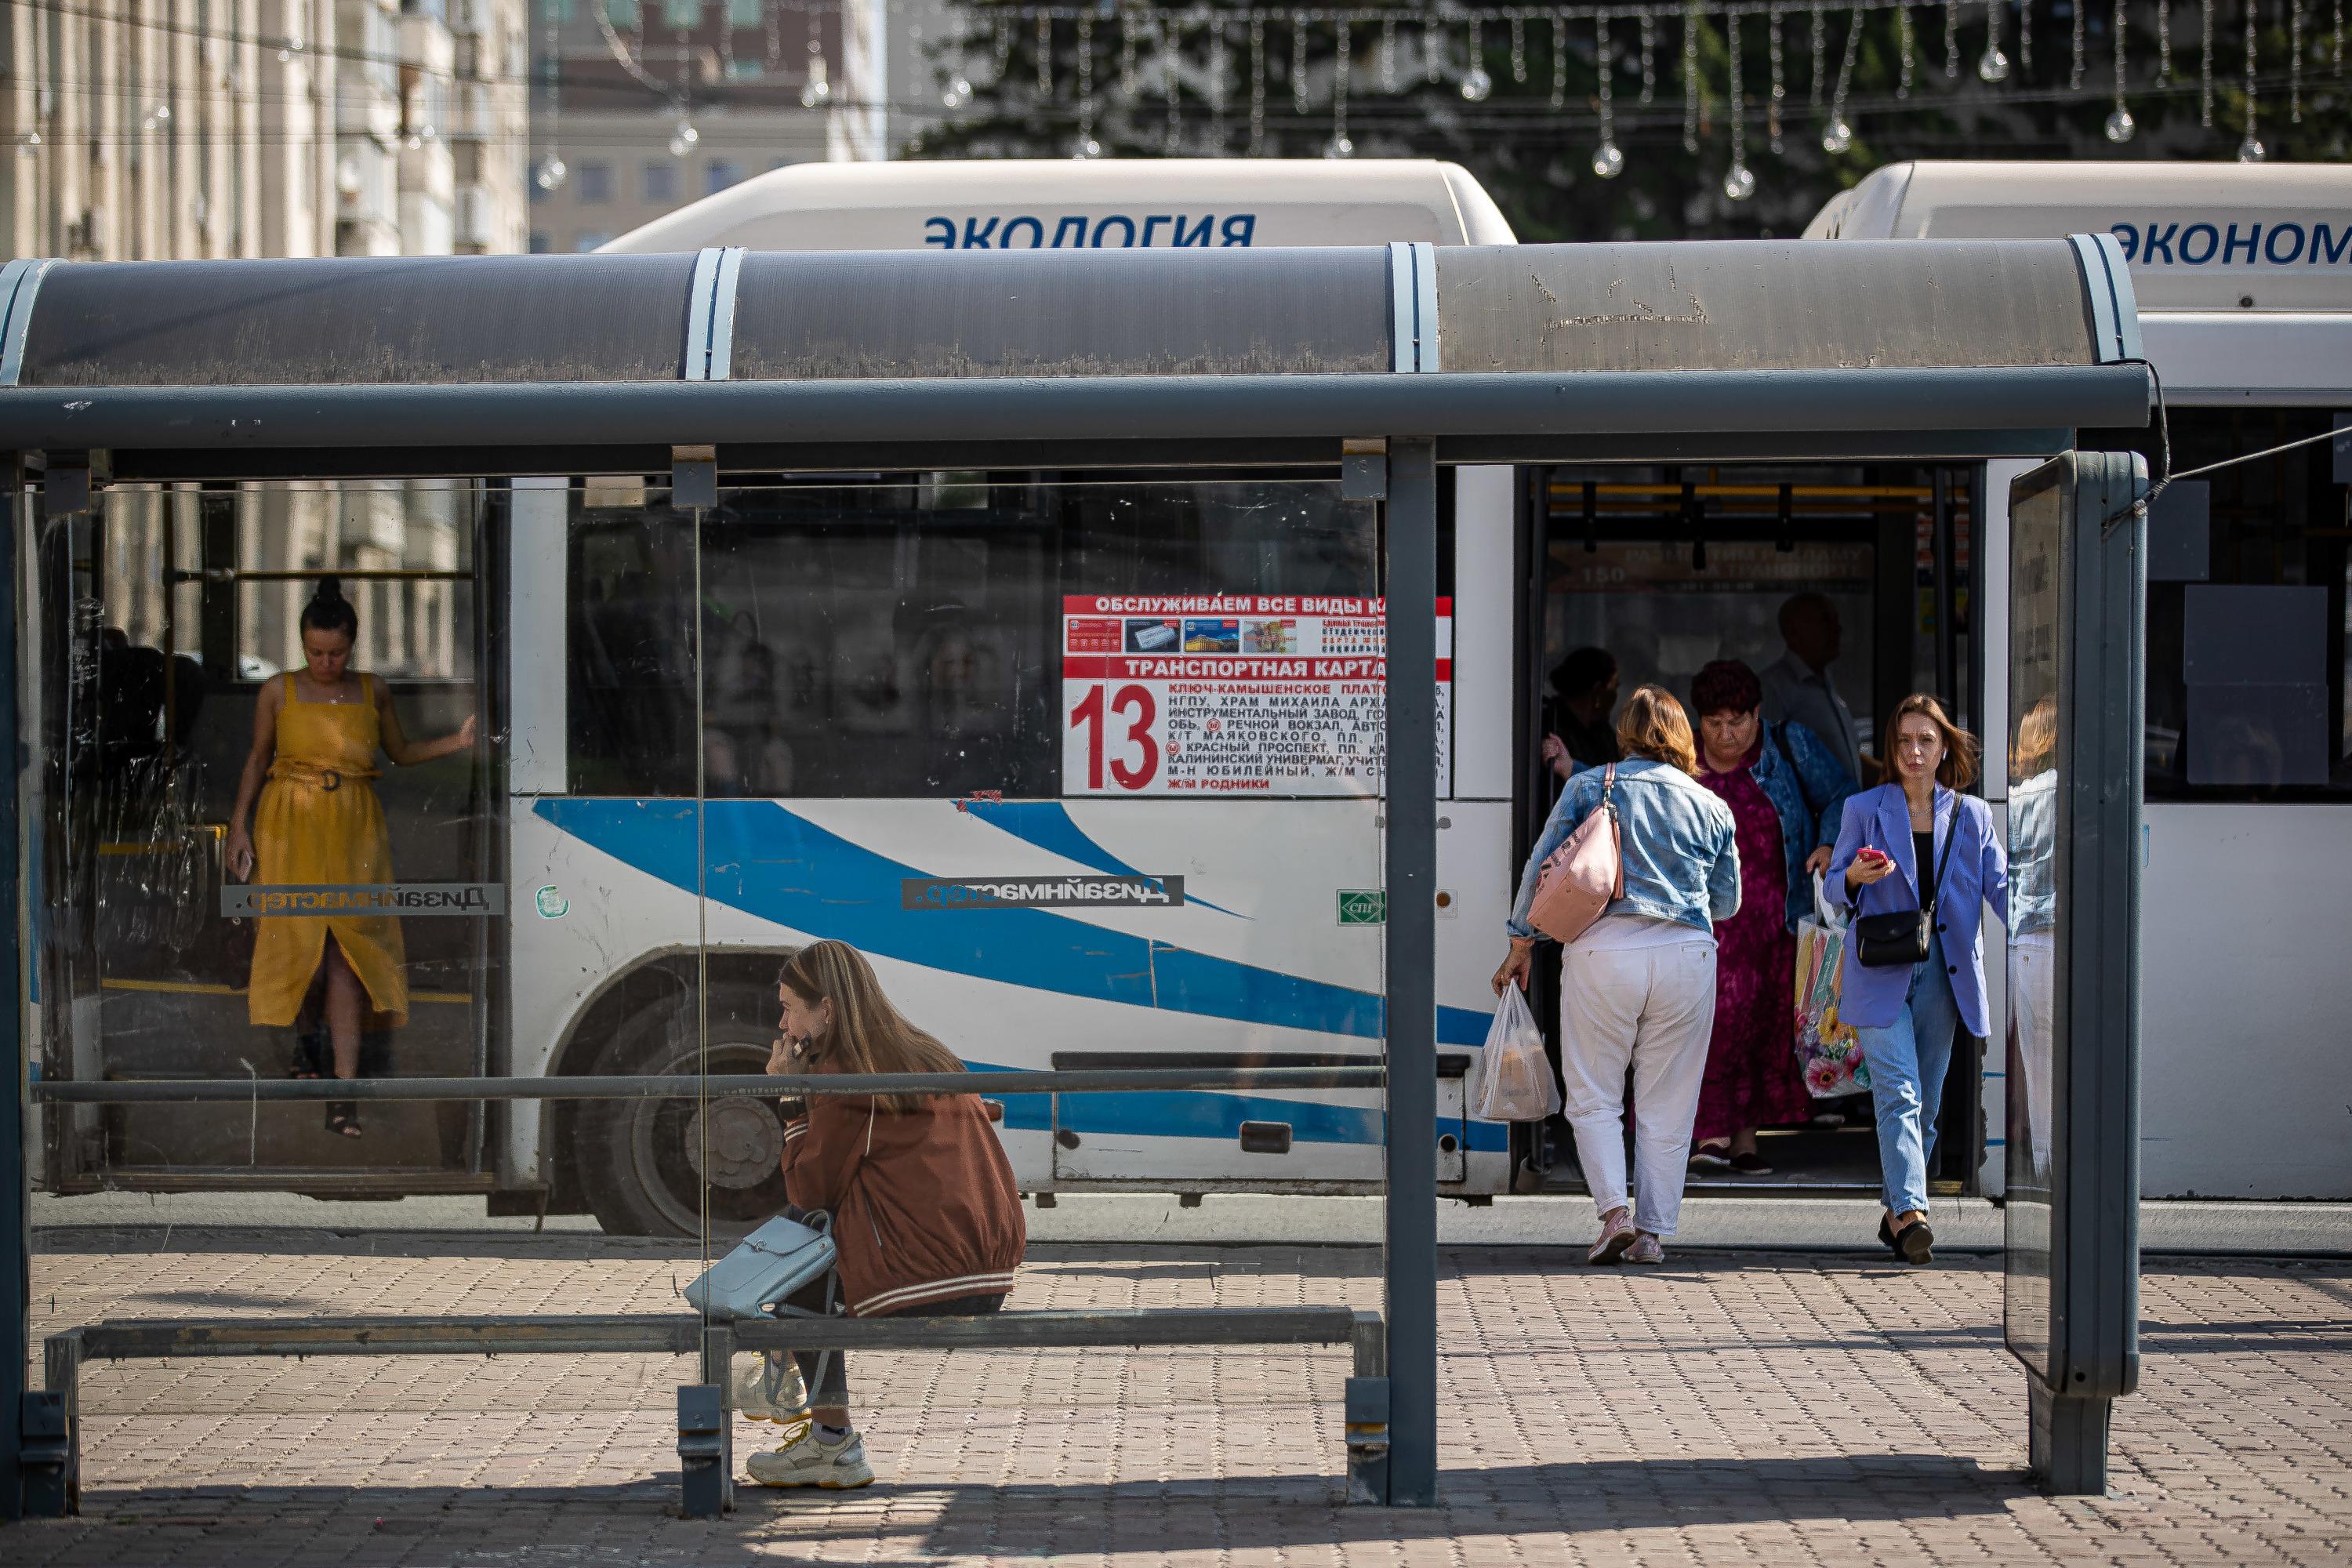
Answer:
(2247, 652)
(169, 616)
(901, 639)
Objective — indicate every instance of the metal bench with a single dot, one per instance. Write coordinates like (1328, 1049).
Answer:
(705, 1416)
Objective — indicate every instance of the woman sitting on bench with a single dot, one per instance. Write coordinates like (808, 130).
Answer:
(925, 1215)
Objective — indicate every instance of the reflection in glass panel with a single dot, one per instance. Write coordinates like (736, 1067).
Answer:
(949, 723)
(2037, 542)
(193, 751)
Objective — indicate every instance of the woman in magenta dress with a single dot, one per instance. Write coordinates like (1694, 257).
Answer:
(1787, 796)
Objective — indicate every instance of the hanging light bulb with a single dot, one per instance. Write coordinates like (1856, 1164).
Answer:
(817, 92)
(2121, 127)
(2250, 151)
(1739, 183)
(683, 139)
(1339, 147)
(286, 51)
(550, 172)
(1608, 159)
(1087, 148)
(29, 144)
(1475, 83)
(1992, 66)
(958, 91)
(1838, 137)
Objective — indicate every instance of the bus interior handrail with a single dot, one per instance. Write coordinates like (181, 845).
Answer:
(689, 1085)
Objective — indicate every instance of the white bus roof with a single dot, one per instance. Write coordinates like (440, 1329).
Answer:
(2200, 237)
(1021, 204)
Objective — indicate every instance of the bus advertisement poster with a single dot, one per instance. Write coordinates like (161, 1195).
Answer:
(1247, 694)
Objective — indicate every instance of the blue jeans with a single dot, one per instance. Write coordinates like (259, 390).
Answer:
(1908, 1059)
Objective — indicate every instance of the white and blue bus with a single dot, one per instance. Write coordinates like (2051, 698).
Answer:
(883, 708)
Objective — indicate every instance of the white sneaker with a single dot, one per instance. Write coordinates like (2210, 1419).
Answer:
(767, 1388)
(808, 1460)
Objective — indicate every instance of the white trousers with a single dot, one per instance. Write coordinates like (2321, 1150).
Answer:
(1652, 1008)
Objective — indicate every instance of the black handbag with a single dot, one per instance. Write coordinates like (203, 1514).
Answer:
(1899, 939)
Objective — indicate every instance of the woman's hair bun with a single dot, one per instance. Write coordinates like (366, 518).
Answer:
(329, 611)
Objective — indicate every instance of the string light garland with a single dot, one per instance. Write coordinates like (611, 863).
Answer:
(2120, 127)
(1196, 90)
(1608, 159)
(2251, 150)
(2205, 66)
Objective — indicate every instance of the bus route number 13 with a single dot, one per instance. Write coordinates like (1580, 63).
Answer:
(1133, 712)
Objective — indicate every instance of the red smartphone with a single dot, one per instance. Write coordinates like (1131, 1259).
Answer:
(1870, 854)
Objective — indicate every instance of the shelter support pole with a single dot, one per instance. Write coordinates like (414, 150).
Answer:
(1412, 964)
(16, 1203)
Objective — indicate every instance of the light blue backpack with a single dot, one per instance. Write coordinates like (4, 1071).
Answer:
(766, 1265)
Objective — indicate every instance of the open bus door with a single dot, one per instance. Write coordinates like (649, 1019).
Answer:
(161, 616)
(1669, 567)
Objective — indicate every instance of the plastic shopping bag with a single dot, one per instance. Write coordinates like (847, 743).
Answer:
(1515, 1081)
(1828, 1052)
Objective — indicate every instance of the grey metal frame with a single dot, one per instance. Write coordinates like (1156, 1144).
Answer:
(2094, 1216)
(705, 1411)
(1426, 419)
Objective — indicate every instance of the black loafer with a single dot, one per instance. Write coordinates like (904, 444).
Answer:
(1916, 1243)
(1886, 1235)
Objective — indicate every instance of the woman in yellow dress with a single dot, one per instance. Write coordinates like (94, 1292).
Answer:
(316, 733)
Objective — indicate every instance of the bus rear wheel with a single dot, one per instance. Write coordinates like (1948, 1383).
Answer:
(643, 1162)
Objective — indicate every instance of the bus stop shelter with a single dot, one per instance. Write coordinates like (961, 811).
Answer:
(1375, 368)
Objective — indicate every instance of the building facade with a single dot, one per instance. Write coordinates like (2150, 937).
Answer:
(642, 106)
(191, 129)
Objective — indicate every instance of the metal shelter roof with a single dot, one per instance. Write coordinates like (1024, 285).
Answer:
(542, 363)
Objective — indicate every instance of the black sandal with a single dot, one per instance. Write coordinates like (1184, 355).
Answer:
(343, 1117)
(310, 1055)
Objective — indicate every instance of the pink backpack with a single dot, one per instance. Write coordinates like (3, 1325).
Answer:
(1583, 876)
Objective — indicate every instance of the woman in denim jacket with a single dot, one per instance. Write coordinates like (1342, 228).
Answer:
(1639, 986)
(1905, 1016)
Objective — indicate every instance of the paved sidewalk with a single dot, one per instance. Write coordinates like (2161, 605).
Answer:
(1729, 1408)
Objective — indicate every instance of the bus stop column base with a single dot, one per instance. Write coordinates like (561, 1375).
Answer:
(2066, 1450)
(706, 1429)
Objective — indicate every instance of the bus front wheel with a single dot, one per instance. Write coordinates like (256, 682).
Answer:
(643, 1162)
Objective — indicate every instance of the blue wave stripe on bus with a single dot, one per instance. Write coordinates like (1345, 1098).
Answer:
(1047, 824)
(778, 866)
(1183, 1113)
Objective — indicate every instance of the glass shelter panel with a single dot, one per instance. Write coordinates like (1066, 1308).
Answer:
(267, 848)
(2038, 526)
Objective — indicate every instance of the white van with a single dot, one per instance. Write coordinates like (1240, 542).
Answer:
(1034, 205)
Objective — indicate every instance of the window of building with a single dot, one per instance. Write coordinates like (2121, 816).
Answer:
(682, 15)
(722, 173)
(624, 12)
(661, 180)
(588, 239)
(595, 181)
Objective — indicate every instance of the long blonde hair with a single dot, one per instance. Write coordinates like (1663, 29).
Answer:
(867, 1035)
(1653, 725)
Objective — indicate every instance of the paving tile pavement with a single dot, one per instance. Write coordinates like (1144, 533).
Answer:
(1753, 1408)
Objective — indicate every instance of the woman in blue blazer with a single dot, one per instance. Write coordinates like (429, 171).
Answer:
(1918, 834)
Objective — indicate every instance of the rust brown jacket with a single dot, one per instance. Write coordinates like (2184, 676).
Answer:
(923, 1204)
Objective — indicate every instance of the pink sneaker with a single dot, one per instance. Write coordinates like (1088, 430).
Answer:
(1646, 1248)
(1617, 1235)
